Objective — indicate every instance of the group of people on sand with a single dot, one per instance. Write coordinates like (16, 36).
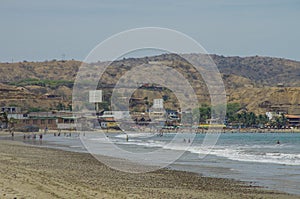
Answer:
(56, 135)
(59, 133)
(33, 136)
(189, 140)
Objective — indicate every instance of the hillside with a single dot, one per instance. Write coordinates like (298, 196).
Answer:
(250, 81)
(261, 70)
(47, 70)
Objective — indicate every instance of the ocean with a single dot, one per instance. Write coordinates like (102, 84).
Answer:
(256, 158)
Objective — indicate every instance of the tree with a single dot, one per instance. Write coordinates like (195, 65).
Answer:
(60, 106)
(202, 113)
(251, 119)
(231, 113)
(11, 124)
(4, 119)
(165, 97)
(280, 121)
(262, 119)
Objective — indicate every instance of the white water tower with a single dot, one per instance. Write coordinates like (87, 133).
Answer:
(95, 96)
(158, 103)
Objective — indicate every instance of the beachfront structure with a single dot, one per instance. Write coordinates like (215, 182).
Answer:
(17, 116)
(214, 123)
(173, 118)
(107, 120)
(66, 123)
(118, 115)
(157, 114)
(54, 120)
(142, 119)
(41, 122)
(272, 115)
(293, 121)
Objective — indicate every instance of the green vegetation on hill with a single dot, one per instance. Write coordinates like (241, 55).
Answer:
(53, 84)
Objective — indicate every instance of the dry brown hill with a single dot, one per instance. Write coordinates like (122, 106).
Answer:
(261, 70)
(251, 81)
(47, 70)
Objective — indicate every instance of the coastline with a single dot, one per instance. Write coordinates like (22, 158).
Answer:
(34, 172)
(199, 131)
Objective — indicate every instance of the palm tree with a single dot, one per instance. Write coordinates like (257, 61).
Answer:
(11, 124)
(4, 119)
(262, 120)
(280, 121)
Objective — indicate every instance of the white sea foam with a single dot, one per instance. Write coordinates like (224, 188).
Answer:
(246, 153)
(238, 153)
(135, 135)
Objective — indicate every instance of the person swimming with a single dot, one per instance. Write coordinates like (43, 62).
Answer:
(278, 142)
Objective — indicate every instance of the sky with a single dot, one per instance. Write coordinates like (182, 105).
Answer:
(38, 30)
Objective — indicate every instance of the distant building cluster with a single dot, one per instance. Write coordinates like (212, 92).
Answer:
(54, 120)
(155, 116)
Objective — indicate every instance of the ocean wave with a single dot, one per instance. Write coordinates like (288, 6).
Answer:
(232, 153)
(245, 153)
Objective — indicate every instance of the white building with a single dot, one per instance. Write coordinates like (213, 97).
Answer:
(158, 103)
(117, 114)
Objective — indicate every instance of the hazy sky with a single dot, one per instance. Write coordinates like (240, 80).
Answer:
(44, 30)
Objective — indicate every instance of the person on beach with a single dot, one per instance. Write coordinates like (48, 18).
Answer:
(45, 130)
(41, 136)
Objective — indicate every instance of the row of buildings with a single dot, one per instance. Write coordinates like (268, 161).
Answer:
(67, 120)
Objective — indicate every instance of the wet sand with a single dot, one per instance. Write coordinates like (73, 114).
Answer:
(33, 172)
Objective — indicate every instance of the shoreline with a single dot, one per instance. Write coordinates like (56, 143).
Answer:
(199, 131)
(29, 172)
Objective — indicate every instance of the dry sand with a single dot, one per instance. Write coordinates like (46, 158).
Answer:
(33, 172)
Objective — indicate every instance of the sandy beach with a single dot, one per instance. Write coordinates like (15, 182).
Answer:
(34, 172)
